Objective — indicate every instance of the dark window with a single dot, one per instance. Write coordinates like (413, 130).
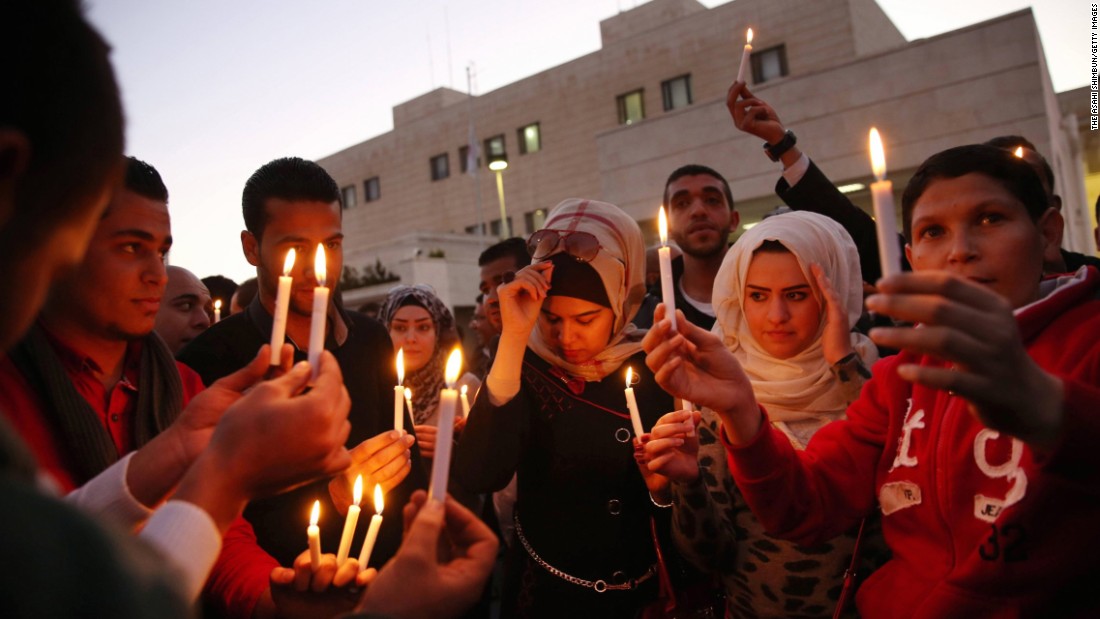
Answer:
(769, 64)
(441, 167)
(676, 92)
(534, 220)
(494, 146)
(494, 227)
(464, 159)
(372, 189)
(530, 139)
(631, 107)
(348, 196)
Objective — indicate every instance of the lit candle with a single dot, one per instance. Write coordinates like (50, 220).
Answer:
(409, 402)
(372, 531)
(882, 194)
(314, 535)
(399, 393)
(664, 256)
(320, 308)
(217, 310)
(745, 56)
(632, 404)
(282, 303)
(465, 401)
(448, 401)
(1019, 152)
(349, 523)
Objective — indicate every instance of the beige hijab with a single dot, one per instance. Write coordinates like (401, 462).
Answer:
(802, 387)
(620, 264)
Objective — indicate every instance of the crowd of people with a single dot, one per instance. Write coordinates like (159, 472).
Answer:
(807, 438)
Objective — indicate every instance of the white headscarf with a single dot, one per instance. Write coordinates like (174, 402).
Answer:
(620, 264)
(801, 387)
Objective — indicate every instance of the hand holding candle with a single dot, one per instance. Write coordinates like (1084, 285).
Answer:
(745, 56)
(320, 310)
(314, 535)
(349, 523)
(399, 394)
(632, 404)
(282, 304)
(664, 257)
(448, 401)
(886, 224)
(372, 530)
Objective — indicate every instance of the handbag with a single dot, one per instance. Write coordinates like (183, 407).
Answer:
(850, 575)
(702, 600)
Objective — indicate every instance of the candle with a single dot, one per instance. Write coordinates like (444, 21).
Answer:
(465, 401)
(320, 308)
(314, 535)
(282, 303)
(409, 401)
(399, 393)
(745, 56)
(689, 406)
(1019, 152)
(632, 404)
(664, 256)
(217, 310)
(349, 523)
(372, 531)
(886, 224)
(448, 401)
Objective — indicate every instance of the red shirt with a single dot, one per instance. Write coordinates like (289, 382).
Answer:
(115, 407)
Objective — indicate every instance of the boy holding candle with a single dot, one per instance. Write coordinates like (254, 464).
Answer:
(977, 441)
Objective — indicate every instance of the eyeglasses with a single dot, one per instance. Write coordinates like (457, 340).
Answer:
(581, 245)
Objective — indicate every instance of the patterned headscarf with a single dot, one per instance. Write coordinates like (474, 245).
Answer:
(620, 263)
(426, 382)
(801, 387)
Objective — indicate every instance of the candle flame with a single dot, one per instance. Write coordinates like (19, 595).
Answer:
(662, 226)
(1019, 152)
(217, 304)
(379, 504)
(288, 264)
(878, 156)
(463, 390)
(408, 394)
(454, 366)
(629, 376)
(319, 264)
(358, 493)
(315, 515)
(748, 37)
(400, 365)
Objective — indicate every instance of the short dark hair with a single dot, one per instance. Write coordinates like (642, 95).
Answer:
(247, 291)
(288, 178)
(694, 169)
(144, 180)
(1011, 172)
(1011, 142)
(60, 93)
(220, 287)
(514, 248)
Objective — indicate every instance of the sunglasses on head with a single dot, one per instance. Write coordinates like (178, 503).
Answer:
(545, 243)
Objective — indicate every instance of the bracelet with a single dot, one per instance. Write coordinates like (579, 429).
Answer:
(851, 365)
(653, 500)
(775, 151)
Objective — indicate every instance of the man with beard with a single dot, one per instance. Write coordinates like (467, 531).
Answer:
(700, 220)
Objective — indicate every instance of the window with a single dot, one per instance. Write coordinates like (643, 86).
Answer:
(534, 220)
(494, 146)
(494, 227)
(441, 167)
(676, 92)
(769, 64)
(464, 159)
(530, 139)
(347, 195)
(631, 107)
(372, 189)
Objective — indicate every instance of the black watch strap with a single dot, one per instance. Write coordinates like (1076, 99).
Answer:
(775, 151)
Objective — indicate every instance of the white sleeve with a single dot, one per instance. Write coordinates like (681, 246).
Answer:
(797, 170)
(190, 541)
(107, 497)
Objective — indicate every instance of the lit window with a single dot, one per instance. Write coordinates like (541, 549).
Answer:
(348, 196)
(494, 146)
(372, 189)
(441, 167)
(676, 92)
(631, 107)
(769, 64)
(530, 139)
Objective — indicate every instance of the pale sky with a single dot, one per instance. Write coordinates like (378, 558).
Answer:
(213, 89)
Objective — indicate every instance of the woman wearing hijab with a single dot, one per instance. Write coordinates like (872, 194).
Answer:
(424, 329)
(785, 297)
(554, 412)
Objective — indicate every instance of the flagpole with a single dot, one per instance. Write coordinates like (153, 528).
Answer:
(472, 155)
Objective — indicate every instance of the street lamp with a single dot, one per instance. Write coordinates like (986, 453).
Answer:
(498, 163)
